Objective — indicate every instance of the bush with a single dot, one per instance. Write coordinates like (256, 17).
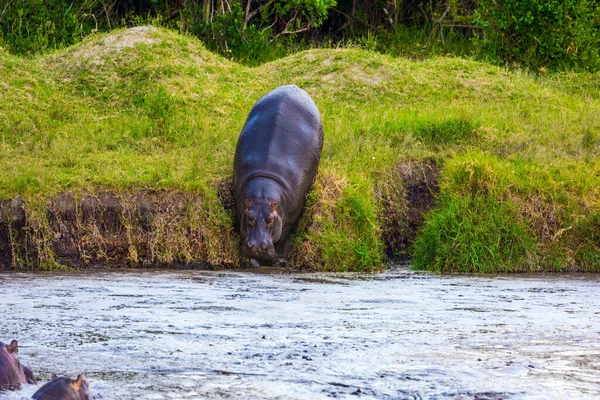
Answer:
(554, 34)
(228, 35)
(29, 27)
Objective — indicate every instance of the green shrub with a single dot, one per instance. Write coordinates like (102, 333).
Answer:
(32, 26)
(552, 34)
(228, 35)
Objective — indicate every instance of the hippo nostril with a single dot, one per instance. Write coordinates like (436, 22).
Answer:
(263, 246)
(249, 244)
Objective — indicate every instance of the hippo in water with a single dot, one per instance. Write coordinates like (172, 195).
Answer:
(64, 388)
(12, 372)
(276, 160)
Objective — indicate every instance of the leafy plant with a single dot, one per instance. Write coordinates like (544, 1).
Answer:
(34, 26)
(541, 33)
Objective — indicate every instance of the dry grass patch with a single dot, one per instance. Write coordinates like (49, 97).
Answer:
(115, 228)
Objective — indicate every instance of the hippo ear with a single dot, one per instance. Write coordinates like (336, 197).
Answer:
(273, 206)
(248, 203)
(53, 375)
(13, 347)
(78, 382)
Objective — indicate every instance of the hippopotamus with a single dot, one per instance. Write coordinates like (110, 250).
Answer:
(276, 161)
(12, 372)
(64, 388)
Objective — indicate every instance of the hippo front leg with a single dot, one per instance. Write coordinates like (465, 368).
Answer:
(255, 263)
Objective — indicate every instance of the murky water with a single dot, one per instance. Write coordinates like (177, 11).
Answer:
(397, 335)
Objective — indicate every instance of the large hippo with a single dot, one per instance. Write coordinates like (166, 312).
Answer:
(12, 372)
(276, 160)
(64, 388)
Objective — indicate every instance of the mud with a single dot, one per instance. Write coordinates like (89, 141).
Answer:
(397, 335)
(406, 195)
(146, 228)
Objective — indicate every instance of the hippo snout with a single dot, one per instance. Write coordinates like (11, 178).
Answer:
(260, 250)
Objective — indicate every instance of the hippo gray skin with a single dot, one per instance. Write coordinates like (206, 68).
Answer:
(276, 160)
(12, 372)
(64, 388)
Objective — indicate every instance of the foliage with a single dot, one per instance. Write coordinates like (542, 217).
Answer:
(536, 34)
(230, 35)
(33, 26)
(301, 15)
(555, 34)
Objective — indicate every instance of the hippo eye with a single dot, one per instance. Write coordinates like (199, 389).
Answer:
(251, 221)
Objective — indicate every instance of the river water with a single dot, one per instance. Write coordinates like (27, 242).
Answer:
(267, 335)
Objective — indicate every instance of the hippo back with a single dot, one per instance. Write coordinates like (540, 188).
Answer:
(63, 388)
(281, 140)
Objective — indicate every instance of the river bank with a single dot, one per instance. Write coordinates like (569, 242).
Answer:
(117, 152)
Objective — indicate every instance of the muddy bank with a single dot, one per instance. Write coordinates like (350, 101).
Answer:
(116, 229)
(406, 194)
(172, 229)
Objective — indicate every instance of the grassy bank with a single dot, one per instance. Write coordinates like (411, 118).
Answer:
(516, 156)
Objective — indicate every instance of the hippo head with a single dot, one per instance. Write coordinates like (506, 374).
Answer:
(12, 373)
(261, 224)
(29, 375)
(64, 388)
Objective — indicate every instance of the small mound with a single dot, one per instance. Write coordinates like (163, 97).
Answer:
(357, 75)
(96, 51)
(126, 64)
(99, 48)
(337, 73)
(132, 36)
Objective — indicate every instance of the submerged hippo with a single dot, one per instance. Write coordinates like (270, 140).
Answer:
(64, 388)
(276, 160)
(12, 372)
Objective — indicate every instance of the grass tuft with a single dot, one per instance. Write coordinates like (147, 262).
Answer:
(339, 229)
(475, 234)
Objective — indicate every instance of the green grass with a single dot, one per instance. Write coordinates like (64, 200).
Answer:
(152, 109)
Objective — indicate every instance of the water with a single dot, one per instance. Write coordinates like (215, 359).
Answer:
(244, 335)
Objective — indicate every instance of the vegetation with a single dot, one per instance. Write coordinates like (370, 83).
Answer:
(147, 113)
(546, 34)
(536, 34)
